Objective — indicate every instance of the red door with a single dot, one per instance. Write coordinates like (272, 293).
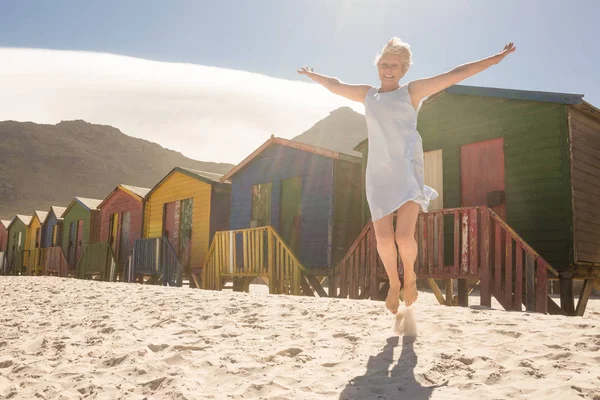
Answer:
(171, 223)
(79, 240)
(482, 175)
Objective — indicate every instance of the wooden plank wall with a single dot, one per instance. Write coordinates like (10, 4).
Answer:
(535, 171)
(220, 209)
(178, 187)
(47, 228)
(346, 208)
(275, 164)
(76, 213)
(585, 184)
(3, 238)
(32, 231)
(13, 234)
(120, 202)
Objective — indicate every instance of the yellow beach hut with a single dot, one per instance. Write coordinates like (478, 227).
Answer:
(186, 208)
(33, 244)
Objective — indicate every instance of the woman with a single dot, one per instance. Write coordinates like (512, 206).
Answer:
(394, 174)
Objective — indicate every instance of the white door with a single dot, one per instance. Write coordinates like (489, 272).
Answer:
(434, 177)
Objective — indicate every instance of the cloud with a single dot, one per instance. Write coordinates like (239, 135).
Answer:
(206, 113)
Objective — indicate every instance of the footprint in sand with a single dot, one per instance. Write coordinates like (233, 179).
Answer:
(513, 334)
(114, 361)
(157, 347)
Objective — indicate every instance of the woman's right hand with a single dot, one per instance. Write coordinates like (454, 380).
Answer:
(305, 71)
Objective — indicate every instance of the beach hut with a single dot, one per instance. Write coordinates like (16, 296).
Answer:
(51, 228)
(186, 208)
(3, 235)
(309, 196)
(33, 243)
(54, 261)
(3, 243)
(121, 220)
(534, 159)
(17, 234)
(80, 227)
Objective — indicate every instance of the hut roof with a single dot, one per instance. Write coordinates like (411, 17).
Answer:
(41, 216)
(5, 223)
(292, 144)
(513, 94)
(203, 176)
(58, 211)
(25, 219)
(136, 192)
(89, 204)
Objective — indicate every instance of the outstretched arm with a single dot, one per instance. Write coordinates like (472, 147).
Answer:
(334, 85)
(421, 88)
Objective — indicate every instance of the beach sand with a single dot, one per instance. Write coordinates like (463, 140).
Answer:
(75, 339)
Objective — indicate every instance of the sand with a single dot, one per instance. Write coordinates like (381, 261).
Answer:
(74, 339)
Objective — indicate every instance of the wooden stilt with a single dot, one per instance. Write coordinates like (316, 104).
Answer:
(449, 292)
(316, 285)
(485, 271)
(238, 284)
(384, 291)
(463, 293)
(306, 289)
(567, 301)
(586, 291)
(195, 278)
(553, 308)
(529, 283)
(436, 291)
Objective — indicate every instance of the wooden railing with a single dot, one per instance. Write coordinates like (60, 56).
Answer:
(470, 243)
(97, 261)
(250, 253)
(55, 262)
(16, 262)
(35, 261)
(155, 258)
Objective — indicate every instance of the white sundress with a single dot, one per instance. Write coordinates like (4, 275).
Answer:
(395, 156)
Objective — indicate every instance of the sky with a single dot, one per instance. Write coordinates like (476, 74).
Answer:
(214, 79)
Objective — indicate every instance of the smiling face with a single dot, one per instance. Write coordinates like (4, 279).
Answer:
(391, 69)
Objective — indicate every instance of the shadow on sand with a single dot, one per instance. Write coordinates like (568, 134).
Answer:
(381, 383)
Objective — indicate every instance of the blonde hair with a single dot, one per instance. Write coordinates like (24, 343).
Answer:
(397, 47)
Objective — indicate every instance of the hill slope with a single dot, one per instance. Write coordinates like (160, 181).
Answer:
(44, 165)
(341, 130)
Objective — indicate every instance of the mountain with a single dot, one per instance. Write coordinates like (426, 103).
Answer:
(341, 131)
(45, 165)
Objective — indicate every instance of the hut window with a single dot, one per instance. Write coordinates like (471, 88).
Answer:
(37, 238)
(114, 223)
(261, 205)
(54, 235)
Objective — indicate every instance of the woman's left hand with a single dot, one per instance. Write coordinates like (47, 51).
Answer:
(509, 48)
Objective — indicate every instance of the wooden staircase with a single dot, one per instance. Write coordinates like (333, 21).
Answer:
(469, 244)
(55, 262)
(97, 262)
(242, 255)
(153, 261)
(35, 261)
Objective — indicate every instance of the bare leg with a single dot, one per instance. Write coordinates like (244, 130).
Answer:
(407, 247)
(386, 247)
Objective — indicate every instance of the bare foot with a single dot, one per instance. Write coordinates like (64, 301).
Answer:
(392, 301)
(410, 289)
